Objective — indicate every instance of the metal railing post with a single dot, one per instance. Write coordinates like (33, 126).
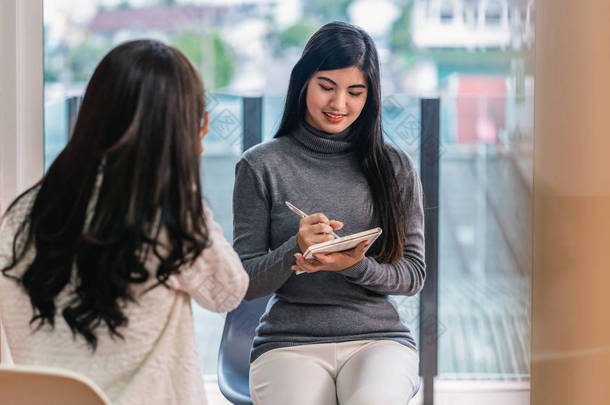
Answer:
(428, 309)
(72, 106)
(253, 121)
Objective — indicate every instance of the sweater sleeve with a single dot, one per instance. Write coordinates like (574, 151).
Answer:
(406, 277)
(8, 229)
(216, 280)
(268, 270)
(10, 223)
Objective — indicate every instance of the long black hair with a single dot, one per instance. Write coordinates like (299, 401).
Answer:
(136, 131)
(338, 45)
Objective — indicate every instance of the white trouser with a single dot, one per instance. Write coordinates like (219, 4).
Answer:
(363, 372)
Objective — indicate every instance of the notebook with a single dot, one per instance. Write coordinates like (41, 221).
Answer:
(343, 243)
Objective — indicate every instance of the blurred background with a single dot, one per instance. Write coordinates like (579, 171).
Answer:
(475, 56)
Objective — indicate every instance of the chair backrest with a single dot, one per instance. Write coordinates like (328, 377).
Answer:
(234, 352)
(33, 385)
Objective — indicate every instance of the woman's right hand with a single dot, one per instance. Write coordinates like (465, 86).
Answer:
(316, 228)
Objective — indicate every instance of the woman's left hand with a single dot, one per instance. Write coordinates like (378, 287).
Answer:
(330, 262)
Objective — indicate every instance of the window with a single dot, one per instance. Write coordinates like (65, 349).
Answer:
(252, 47)
(471, 15)
(447, 12)
(493, 13)
(21, 108)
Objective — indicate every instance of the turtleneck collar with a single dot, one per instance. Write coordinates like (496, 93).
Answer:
(323, 142)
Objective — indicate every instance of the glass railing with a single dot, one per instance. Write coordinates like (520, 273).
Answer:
(484, 233)
(55, 130)
(482, 327)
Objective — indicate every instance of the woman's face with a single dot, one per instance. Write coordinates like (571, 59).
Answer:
(335, 98)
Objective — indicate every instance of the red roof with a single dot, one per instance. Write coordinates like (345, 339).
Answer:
(154, 18)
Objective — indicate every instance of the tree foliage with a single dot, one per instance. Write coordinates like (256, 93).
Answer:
(84, 57)
(327, 10)
(400, 35)
(297, 34)
(220, 64)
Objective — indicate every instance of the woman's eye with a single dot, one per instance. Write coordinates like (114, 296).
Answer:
(326, 88)
(356, 94)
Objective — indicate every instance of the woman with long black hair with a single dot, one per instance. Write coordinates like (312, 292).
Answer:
(101, 258)
(331, 334)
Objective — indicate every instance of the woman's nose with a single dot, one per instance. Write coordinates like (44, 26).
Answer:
(337, 101)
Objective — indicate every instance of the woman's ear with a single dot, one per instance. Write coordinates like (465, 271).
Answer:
(204, 130)
(205, 126)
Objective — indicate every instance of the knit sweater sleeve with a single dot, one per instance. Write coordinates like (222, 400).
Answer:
(8, 228)
(406, 277)
(216, 280)
(10, 223)
(268, 270)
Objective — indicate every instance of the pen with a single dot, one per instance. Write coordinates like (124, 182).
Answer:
(300, 213)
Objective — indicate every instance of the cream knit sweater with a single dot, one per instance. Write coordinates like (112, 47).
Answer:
(157, 362)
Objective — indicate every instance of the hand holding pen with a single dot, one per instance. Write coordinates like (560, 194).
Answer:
(314, 228)
(317, 228)
(300, 213)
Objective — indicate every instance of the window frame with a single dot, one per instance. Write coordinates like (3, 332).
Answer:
(21, 104)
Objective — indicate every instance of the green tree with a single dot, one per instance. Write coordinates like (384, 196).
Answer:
(297, 35)
(328, 10)
(220, 65)
(223, 62)
(51, 73)
(189, 42)
(83, 58)
(400, 35)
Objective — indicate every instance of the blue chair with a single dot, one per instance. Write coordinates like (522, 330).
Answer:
(234, 352)
(417, 387)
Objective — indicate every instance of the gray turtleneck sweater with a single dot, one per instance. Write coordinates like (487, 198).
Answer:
(319, 172)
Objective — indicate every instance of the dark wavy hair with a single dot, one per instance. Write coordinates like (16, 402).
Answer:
(338, 45)
(138, 125)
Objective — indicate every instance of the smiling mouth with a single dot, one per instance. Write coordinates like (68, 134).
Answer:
(334, 117)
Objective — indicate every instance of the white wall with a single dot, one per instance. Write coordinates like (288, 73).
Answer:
(21, 96)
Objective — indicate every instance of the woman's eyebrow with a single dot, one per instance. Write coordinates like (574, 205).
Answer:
(362, 86)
